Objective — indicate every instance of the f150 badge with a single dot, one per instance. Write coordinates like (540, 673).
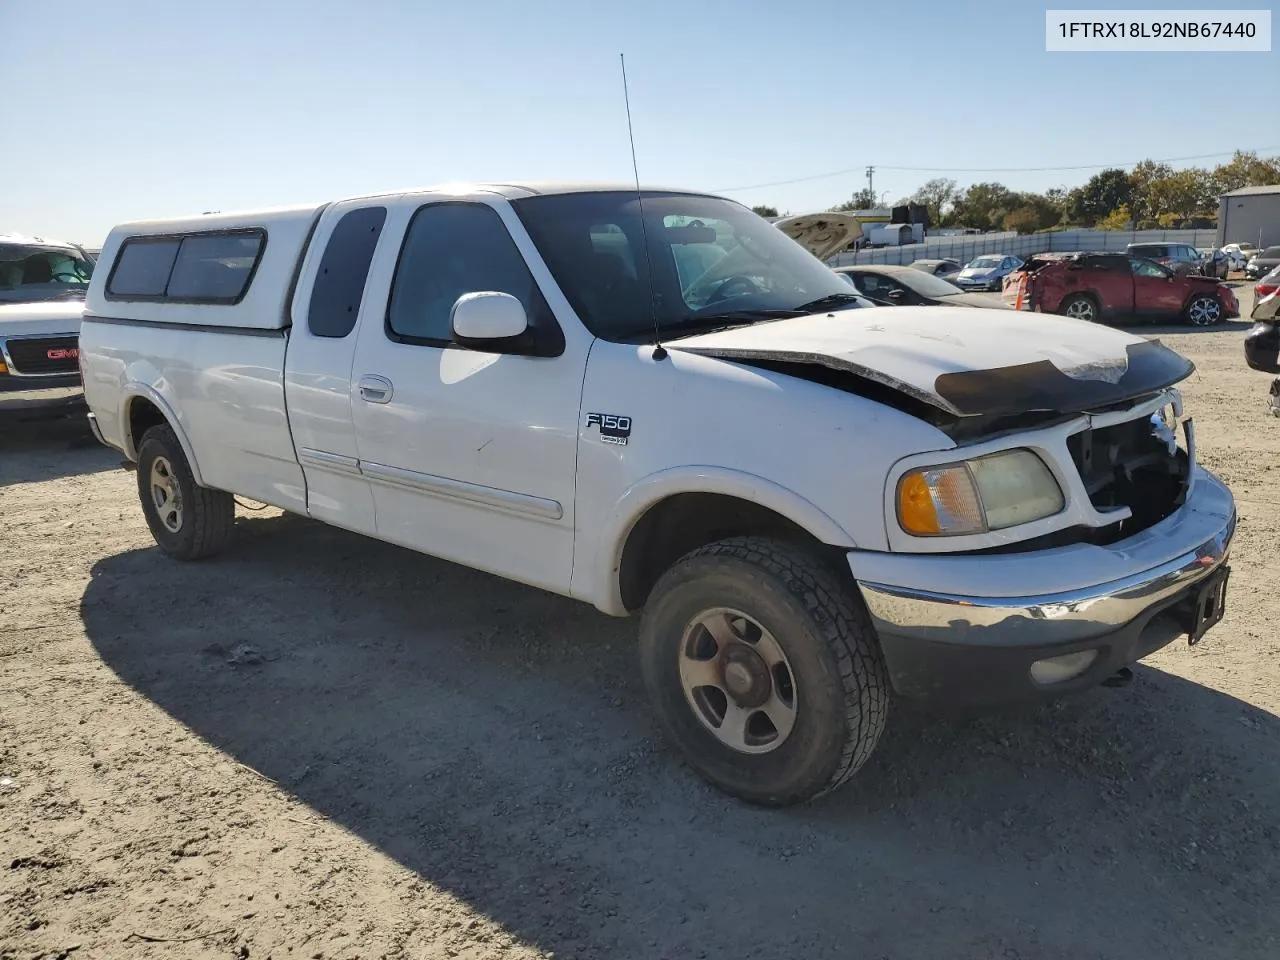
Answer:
(613, 428)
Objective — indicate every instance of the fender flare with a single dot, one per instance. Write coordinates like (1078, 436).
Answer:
(136, 390)
(642, 495)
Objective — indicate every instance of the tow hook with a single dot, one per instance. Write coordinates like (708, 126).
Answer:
(1121, 678)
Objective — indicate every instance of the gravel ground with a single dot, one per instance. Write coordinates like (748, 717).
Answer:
(319, 745)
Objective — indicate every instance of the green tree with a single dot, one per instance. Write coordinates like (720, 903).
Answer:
(1102, 193)
(983, 205)
(1025, 219)
(863, 199)
(1141, 197)
(769, 213)
(937, 196)
(1117, 219)
(1183, 193)
(1244, 169)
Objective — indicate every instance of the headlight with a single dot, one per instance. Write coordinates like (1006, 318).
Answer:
(977, 496)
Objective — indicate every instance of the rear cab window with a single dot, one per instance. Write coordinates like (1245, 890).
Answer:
(339, 285)
(191, 268)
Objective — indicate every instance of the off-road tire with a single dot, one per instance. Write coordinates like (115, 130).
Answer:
(207, 515)
(1085, 300)
(823, 627)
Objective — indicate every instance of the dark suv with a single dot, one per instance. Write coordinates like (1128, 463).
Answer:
(1181, 258)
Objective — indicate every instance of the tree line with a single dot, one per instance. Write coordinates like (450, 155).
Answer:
(1150, 196)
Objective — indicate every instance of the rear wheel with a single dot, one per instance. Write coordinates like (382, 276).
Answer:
(1081, 306)
(764, 670)
(1204, 310)
(188, 521)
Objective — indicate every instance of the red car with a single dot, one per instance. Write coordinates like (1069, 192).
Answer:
(1107, 286)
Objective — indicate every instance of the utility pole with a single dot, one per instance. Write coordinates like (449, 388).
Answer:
(870, 182)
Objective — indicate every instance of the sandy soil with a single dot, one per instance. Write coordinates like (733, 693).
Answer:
(319, 745)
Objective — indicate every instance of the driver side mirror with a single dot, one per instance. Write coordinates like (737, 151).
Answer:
(488, 321)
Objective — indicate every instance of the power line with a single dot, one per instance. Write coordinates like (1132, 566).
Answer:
(1081, 166)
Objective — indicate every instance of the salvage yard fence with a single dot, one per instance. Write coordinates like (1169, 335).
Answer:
(964, 248)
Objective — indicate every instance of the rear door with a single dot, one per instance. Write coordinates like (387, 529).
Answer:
(1109, 279)
(1156, 293)
(328, 305)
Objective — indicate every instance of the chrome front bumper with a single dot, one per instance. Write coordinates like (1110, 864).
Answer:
(968, 628)
(40, 396)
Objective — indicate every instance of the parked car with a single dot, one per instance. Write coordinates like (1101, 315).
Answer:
(1180, 258)
(939, 268)
(1108, 286)
(823, 234)
(1262, 343)
(1262, 262)
(1214, 263)
(1239, 253)
(42, 289)
(39, 360)
(1266, 302)
(812, 513)
(32, 269)
(904, 286)
(986, 272)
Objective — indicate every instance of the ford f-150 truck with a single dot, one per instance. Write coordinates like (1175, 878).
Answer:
(656, 402)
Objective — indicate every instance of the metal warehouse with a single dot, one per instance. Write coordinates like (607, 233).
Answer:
(1250, 214)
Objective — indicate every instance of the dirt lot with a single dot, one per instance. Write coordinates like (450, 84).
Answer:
(322, 746)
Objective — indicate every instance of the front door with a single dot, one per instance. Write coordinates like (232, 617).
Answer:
(471, 455)
(1155, 292)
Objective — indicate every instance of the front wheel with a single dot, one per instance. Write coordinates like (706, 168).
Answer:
(188, 521)
(763, 667)
(1204, 310)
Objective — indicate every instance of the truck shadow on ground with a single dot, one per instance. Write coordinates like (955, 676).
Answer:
(36, 450)
(495, 740)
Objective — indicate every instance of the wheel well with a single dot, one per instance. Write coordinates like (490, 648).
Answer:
(683, 522)
(143, 415)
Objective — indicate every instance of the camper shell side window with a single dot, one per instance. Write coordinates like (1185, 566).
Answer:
(212, 267)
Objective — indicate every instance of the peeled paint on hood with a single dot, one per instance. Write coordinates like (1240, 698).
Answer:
(965, 362)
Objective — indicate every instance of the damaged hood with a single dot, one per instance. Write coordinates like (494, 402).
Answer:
(967, 363)
(822, 234)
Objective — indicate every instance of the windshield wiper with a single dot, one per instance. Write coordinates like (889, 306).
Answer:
(694, 325)
(830, 300)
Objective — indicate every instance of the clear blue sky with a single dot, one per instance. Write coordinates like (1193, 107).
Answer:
(127, 109)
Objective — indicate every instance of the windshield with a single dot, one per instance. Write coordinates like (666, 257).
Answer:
(31, 272)
(985, 263)
(713, 263)
(926, 284)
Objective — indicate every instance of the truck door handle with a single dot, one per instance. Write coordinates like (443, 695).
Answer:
(376, 389)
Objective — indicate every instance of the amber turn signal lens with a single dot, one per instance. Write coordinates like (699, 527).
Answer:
(939, 501)
(916, 512)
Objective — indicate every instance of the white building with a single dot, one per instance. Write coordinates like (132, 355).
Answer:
(1250, 214)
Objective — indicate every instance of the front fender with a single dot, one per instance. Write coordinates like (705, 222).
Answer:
(604, 590)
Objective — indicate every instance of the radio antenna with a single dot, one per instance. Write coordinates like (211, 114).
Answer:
(659, 352)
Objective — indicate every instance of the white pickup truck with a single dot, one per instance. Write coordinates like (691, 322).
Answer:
(655, 401)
